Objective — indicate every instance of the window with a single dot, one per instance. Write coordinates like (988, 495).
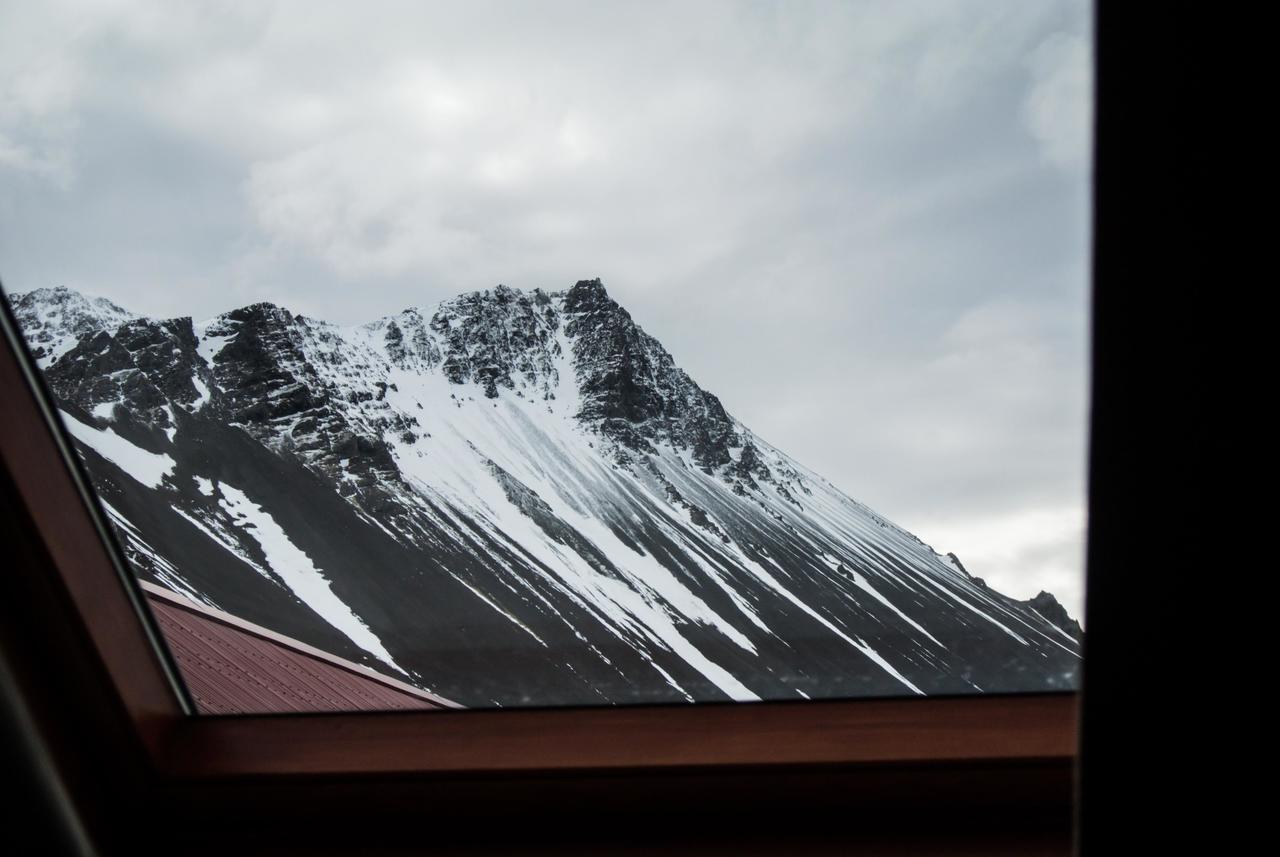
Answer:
(411, 743)
(586, 493)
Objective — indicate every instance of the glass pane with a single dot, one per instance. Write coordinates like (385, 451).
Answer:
(817, 430)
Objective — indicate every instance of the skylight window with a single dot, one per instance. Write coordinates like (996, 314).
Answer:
(748, 366)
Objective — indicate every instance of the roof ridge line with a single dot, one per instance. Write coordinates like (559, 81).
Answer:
(225, 618)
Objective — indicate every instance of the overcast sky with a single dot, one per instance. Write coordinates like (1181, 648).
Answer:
(863, 225)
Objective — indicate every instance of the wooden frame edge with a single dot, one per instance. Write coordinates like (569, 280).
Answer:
(39, 458)
(911, 731)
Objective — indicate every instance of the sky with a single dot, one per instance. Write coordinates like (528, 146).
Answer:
(863, 225)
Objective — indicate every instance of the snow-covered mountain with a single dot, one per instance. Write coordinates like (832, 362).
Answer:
(514, 498)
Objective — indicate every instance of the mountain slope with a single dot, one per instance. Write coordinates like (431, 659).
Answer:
(513, 498)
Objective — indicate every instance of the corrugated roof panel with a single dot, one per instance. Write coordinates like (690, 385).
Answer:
(229, 669)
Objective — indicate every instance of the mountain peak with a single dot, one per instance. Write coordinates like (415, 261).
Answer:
(260, 311)
(506, 294)
(1052, 610)
(64, 296)
(55, 319)
(586, 294)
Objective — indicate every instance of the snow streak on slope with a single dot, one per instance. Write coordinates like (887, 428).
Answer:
(298, 572)
(489, 458)
(149, 468)
(519, 498)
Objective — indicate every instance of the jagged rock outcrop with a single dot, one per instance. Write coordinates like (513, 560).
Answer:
(499, 339)
(631, 386)
(54, 320)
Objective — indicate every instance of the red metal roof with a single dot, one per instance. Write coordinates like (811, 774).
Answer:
(231, 666)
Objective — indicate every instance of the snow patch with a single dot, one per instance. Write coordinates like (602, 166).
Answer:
(210, 345)
(149, 468)
(302, 577)
(203, 396)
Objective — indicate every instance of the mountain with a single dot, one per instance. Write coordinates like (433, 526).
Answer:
(513, 498)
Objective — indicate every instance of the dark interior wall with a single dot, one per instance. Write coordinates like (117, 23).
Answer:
(1148, 415)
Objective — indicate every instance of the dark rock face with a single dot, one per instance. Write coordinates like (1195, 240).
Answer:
(500, 547)
(277, 376)
(632, 387)
(632, 391)
(144, 367)
(499, 339)
(408, 342)
(259, 369)
(1048, 607)
(55, 319)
